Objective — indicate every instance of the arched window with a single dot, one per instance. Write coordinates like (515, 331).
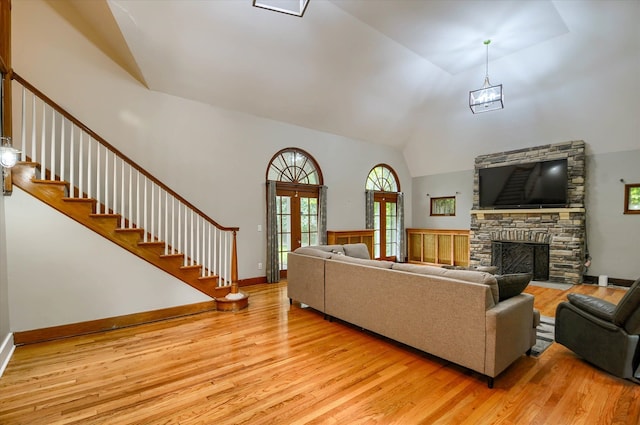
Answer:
(296, 207)
(385, 212)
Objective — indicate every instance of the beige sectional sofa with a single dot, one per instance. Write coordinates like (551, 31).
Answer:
(453, 314)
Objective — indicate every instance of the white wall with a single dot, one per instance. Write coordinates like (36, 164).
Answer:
(613, 237)
(6, 339)
(215, 158)
(60, 272)
(458, 184)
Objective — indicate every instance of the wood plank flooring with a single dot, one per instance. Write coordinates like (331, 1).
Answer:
(279, 364)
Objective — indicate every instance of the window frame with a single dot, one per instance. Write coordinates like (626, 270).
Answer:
(434, 206)
(627, 198)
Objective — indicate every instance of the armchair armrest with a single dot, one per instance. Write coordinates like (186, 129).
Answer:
(595, 306)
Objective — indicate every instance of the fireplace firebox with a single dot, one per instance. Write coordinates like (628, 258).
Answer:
(521, 257)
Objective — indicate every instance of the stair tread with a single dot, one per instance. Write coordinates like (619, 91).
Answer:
(60, 182)
(152, 243)
(212, 277)
(99, 215)
(91, 200)
(172, 256)
(130, 229)
(194, 266)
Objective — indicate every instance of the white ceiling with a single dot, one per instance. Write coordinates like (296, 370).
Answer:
(372, 70)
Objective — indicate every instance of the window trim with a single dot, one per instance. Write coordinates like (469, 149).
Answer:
(434, 206)
(627, 198)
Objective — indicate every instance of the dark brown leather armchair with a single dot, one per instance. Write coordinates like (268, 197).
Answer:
(604, 334)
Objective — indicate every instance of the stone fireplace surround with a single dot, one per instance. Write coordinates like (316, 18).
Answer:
(563, 229)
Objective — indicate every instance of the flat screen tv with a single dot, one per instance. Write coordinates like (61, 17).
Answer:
(541, 184)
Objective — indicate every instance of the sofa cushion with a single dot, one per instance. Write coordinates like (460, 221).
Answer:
(465, 275)
(419, 269)
(336, 249)
(510, 285)
(362, 261)
(357, 250)
(313, 251)
(476, 277)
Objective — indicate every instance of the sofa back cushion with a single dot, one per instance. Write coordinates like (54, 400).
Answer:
(357, 250)
(465, 275)
(336, 249)
(362, 261)
(314, 252)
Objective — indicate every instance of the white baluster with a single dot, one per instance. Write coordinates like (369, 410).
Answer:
(115, 185)
(166, 223)
(209, 250)
(153, 227)
(106, 181)
(89, 191)
(173, 225)
(52, 166)
(99, 201)
(186, 235)
(23, 138)
(42, 142)
(197, 256)
(138, 204)
(72, 161)
(130, 199)
(62, 148)
(159, 209)
(179, 228)
(81, 166)
(144, 215)
(191, 238)
(33, 129)
(122, 205)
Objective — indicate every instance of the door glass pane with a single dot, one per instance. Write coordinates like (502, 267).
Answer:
(376, 230)
(283, 208)
(308, 221)
(391, 229)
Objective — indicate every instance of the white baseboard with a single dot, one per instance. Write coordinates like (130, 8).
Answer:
(6, 351)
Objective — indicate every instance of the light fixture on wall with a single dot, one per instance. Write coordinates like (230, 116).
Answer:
(488, 98)
(290, 7)
(8, 154)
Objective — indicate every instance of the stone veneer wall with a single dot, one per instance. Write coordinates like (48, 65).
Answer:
(563, 230)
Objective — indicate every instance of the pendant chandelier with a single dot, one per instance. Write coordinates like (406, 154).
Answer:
(488, 98)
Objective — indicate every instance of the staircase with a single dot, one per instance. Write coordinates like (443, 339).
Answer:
(75, 171)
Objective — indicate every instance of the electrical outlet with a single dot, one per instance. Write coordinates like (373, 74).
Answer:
(259, 227)
(259, 266)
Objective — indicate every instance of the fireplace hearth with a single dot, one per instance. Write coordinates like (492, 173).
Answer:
(521, 257)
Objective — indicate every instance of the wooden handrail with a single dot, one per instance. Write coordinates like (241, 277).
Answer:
(106, 144)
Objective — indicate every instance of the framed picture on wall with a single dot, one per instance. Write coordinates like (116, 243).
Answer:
(632, 198)
(443, 206)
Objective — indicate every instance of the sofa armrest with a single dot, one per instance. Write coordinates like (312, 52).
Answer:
(595, 306)
(509, 326)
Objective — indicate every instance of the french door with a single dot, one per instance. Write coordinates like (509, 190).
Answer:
(385, 226)
(297, 217)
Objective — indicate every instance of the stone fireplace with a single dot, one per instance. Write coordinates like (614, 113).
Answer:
(548, 242)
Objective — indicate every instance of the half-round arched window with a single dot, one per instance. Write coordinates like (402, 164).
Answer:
(293, 165)
(382, 178)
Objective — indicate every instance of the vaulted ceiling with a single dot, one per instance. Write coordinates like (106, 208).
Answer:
(394, 72)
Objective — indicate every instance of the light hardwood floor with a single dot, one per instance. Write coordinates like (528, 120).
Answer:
(278, 364)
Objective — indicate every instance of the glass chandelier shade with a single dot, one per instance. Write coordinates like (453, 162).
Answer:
(488, 98)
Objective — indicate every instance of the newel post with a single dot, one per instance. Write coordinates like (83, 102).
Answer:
(234, 262)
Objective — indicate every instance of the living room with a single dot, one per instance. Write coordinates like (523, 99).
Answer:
(578, 85)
